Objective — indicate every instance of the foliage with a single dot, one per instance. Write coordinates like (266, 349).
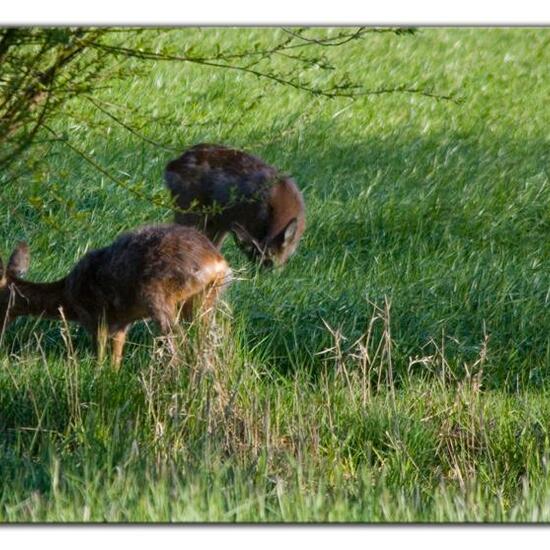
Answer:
(44, 68)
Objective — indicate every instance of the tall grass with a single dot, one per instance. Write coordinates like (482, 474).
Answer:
(210, 435)
(396, 370)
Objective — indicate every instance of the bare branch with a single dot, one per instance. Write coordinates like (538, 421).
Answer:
(127, 126)
(346, 91)
(99, 168)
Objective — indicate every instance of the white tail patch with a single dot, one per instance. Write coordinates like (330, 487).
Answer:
(216, 270)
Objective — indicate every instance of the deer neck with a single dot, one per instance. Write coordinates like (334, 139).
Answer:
(40, 299)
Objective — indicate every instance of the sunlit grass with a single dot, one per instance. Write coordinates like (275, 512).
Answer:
(395, 370)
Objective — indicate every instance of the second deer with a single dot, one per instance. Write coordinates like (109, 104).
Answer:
(238, 193)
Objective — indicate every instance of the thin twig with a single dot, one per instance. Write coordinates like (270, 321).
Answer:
(128, 127)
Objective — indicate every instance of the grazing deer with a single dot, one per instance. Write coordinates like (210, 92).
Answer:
(145, 273)
(261, 207)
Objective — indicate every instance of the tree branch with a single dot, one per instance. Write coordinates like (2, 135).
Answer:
(333, 92)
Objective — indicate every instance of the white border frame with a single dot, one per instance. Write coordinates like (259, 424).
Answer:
(275, 12)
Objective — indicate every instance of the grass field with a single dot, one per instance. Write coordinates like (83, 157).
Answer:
(396, 370)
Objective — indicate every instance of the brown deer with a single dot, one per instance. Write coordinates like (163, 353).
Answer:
(145, 273)
(239, 193)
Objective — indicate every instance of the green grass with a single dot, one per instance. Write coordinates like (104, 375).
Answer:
(396, 370)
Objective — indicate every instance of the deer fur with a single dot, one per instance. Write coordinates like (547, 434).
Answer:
(145, 273)
(221, 190)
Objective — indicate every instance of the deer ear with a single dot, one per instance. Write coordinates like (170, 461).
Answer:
(286, 236)
(18, 264)
(290, 230)
(241, 234)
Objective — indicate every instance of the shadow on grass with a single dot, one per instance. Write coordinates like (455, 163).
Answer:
(44, 337)
(451, 228)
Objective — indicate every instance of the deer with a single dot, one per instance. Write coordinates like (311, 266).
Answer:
(221, 190)
(155, 272)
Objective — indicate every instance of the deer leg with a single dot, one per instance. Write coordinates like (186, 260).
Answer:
(189, 307)
(166, 320)
(99, 341)
(202, 304)
(217, 238)
(190, 219)
(118, 339)
(211, 295)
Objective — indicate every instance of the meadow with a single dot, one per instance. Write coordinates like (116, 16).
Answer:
(396, 370)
